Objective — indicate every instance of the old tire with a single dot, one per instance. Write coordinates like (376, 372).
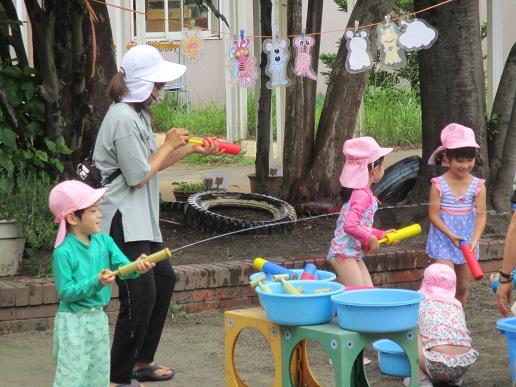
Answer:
(200, 214)
(398, 180)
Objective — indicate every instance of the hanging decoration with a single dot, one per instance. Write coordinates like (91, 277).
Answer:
(277, 60)
(303, 61)
(358, 59)
(191, 45)
(392, 55)
(243, 64)
(417, 35)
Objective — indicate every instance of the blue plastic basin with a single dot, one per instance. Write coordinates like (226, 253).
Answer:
(300, 309)
(507, 327)
(392, 359)
(378, 310)
(322, 275)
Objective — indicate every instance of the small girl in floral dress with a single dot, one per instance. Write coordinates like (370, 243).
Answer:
(457, 204)
(445, 352)
(354, 230)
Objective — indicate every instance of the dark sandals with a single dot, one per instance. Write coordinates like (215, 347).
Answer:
(148, 375)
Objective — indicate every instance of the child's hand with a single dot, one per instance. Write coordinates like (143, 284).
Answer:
(456, 239)
(106, 277)
(144, 266)
(389, 231)
(373, 244)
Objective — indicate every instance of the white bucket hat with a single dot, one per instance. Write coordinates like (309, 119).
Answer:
(143, 66)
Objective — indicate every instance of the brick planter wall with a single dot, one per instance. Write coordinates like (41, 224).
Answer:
(31, 303)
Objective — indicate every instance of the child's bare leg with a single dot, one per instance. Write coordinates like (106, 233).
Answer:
(366, 277)
(463, 282)
(421, 356)
(348, 271)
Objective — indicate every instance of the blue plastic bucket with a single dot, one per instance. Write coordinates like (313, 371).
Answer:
(299, 309)
(392, 359)
(322, 275)
(378, 310)
(507, 327)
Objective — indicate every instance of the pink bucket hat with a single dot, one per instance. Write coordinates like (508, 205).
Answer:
(439, 282)
(454, 136)
(360, 152)
(70, 196)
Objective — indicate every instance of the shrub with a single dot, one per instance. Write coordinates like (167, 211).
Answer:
(25, 200)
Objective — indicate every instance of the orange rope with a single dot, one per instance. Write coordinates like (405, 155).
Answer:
(93, 19)
(118, 6)
(408, 15)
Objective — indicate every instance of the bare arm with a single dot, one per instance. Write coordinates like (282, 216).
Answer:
(504, 292)
(480, 224)
(175, 148)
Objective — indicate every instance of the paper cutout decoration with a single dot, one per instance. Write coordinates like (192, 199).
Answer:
(243, 64)
(277, 61)
(417, 34)
(392, 55)
(358, 59)
(191, 45)
(303, 61)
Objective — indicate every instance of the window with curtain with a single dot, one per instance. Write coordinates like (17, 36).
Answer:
(166, 18)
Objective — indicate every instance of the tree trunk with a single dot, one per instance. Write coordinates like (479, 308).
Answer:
(502, 136)
(15, 40)
(338, 116)
(263, 130)
(300, 106)
(96, 86)
(452, 81)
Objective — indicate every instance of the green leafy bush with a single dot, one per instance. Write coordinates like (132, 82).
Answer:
(25, 199)
(23, 141)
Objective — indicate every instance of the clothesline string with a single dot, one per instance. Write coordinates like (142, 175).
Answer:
(405, 16)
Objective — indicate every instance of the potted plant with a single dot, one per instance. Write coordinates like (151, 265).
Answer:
(25, 221)
(183, 189)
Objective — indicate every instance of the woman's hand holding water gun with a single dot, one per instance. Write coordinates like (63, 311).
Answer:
(176, 137)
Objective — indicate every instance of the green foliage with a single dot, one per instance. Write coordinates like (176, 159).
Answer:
(184, 186)
(176, 310)
(25, 199)
(27, 148)
(393, 116)
(342, 4)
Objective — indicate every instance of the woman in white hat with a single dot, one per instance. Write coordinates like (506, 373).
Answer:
(126, 143)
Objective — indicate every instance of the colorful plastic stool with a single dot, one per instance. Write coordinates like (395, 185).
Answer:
(237, 320)
(345, 349)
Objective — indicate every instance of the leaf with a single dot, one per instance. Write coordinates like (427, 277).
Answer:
(41, 155)
(63, 148)
(58, 165)
(12, 71)
(6, 163)
(8, 137)
(50, 145)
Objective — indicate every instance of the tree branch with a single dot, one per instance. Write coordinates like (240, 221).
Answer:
(16, 36)
(9, 114)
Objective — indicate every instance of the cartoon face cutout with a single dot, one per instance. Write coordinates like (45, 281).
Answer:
(277, 60)
(358, 59)
(417, 35)
(191, 45)
(391, 54)
(303, 60)
(242, 63)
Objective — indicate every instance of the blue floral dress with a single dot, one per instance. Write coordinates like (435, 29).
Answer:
(458, 213)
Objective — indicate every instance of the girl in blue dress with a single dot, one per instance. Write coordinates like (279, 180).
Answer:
(457, 204)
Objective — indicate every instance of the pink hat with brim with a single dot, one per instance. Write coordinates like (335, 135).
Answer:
(68, 197)
(359, 153)
(439, 283)
(454, 136)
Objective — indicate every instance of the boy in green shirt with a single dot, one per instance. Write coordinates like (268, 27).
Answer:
(82, 265)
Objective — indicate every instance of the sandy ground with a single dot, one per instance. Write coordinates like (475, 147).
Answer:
(195, 348)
